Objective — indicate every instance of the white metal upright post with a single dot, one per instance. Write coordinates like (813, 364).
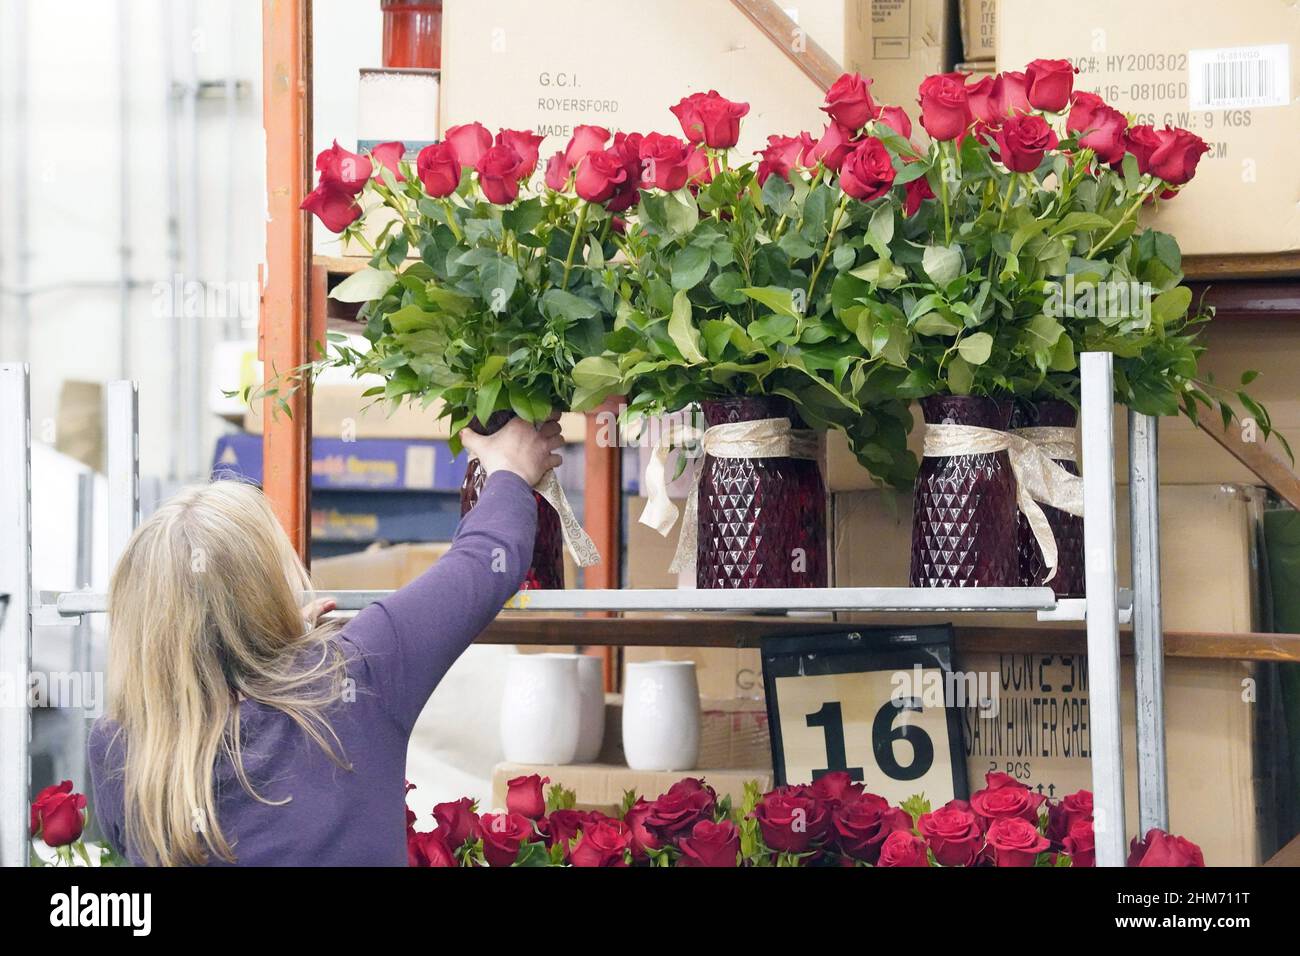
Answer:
(1148, 639)
(123, 427)
(1098, 439)
(16, 629)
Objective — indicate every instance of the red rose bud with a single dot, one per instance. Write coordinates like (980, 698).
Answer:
(1161, 849)
(1099, 127)
(832, 149)
(663, 162)
(918, 190)
(431, 849)
(563, 825)
(896, 118)
(502, 835)
(457, 821)
(903, 848)
(953, 834)
(860, 825)
(790, 823)
(438, 169)
(557, 173)
(526, 145)
(585, 139)
(643, 838)
(676, 812)
(390, 155)
(627, 146)
(945, 107)
(1022, 141)
(1003, 797)
(1010, 95)
(868, 172)
(344, 171)
(1015, 841)
(1081, 844)
(1175, 159)
(524, 796)
(334, 206)
(1142, 141)
(849, 102)
(498, 174)
(781, 157)
(600, 174)
(836, 785)
(710, 119)
(602, 844)
(983, 102)
(711, 845)
(698, 170)
(469, 142)
(56, 814)
(1049, 84)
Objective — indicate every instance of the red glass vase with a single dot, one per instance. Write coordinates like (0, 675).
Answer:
(964, 519)
(1067, 528)
(762, 521)
(412, 34)
(546, 572)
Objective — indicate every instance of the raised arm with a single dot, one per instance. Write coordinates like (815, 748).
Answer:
(411, 638)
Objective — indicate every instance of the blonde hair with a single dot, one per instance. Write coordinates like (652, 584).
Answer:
(204, 611)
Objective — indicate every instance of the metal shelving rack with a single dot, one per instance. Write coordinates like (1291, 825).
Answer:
(1102, 610)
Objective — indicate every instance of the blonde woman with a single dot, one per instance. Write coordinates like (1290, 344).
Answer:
(235, 733)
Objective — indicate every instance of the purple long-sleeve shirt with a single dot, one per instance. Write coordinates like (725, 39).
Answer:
(397, 651)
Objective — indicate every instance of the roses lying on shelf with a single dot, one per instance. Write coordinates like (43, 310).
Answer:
(833, 822)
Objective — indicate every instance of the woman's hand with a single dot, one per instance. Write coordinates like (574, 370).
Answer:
(518, 447)
(317, 609)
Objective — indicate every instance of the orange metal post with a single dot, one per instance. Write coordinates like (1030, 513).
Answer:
(283, 340)
(602, 511)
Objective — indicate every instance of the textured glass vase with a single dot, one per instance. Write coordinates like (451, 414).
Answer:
(1067, 528)
(762, 521)
(547, 569)
(964, 520)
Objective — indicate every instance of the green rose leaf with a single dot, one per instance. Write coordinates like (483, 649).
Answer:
(683, 332)
(976, 348)
(690, 266)
(776, 298)
(941, 263)
(364, 286)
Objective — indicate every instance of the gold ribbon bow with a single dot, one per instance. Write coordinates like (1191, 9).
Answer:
(1038, 477)
(576, 539)
(763, 438)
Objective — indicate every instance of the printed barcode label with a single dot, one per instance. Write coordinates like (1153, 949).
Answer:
(1239, 77)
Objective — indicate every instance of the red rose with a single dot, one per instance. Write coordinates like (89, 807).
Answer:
(687, 802)
(334, 206)
(498, 174)
(389, 155)
(1162, 849)
(698, 170)
(643, 839)
(414, 849)
(1014, 841)
(557, 173)
(438, 169)
(903, 848)
(1003, 797)
(627, 146)
(469, 142)
(953, 834)
(1142, 141)
(563, 825)
(781, 157)
(1010, 94)
(711, 844)
(600, 174)
(832, 149)
(1022, 141)
(585, 139)
(917, 190)
(344, 171)
(1100, 128)
(1049, 84)
(868, 172)
(56, 815)
(526, 144)
(524, 796)
(1175, 159)
(790, 823)
(983, 102)
(945, 106)
(456, 820)
(663, 162)
(429, 849)
(836, 785)
(503, 834)
(895, 117)
(1080, 843)
(602, 844)
(861, 825)
(710, 119)
(849, 102)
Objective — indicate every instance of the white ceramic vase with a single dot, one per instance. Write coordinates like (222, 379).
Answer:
(540, 709)
(661, 715)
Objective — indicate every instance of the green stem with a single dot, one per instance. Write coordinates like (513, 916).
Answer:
(573, 244)
(1006, 199)
(451, 219)
(1131, 210)
(943, 189)
(826, 249)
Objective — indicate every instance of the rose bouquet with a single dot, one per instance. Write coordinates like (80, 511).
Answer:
(832, 822)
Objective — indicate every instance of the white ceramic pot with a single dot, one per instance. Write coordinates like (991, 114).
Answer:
(661, 715)
(539, 709)
(591, 705)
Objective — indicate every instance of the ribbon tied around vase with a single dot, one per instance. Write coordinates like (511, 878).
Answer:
(576, 539)
(1033, 453)
(761, 438)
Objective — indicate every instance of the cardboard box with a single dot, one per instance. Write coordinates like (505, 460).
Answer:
(1158, 62)
(601, 786)
(1041, 736)
(979, 29)
(378, 568)
(733, 733)
(367, 464)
